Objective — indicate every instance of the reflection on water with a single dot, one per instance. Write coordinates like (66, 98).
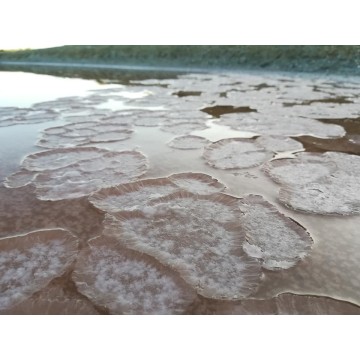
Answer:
(154, 109)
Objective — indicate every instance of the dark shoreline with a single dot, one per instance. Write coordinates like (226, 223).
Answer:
(328, 60)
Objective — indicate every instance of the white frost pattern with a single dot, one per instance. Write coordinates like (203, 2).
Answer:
(198, 236)
(279, 144)
(271, 236)
(127, 282)
(281, 124)
(77, 172)
(323, 184)
(235, 154)
(132, 196)
(197, 183)
(29, 262)
(139, 194)
(188, 142)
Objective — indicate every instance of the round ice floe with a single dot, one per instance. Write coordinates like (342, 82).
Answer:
(197, 183)
(336, 195)
(325, 184)
(347, 163)
(15, 116)
(84, 133)
(307, 167)
(132, 196)
(77, 172)
(99, 115)
(184, 127)
(116, 135)
(127, 282)
(271, 236)
(29, 262)
(279, 144)
(198, 236)
(55, 159)
(327, 110)
(281, 124)
(235, 154)
(148, 121)
(188, 142)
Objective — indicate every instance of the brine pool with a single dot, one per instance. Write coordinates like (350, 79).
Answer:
(211, 193)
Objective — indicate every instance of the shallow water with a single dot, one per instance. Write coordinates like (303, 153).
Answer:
(330, 269)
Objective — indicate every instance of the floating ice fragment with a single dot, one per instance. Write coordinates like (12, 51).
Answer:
(307, 167)
(277, 240)
(184, 127)
(279, 144)
(198, 236)
(347, 163)
(76, 172)
(336, 195)
(84, 133)
(29, 262)
(323, 184)
(197, 183)
(235, 154)
(58, 158)
(281, 124)
(148, 121)
(132, 196)
(188, 142)
(127, 282)
(16, 116)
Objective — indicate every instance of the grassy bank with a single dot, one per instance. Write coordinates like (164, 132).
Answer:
(328, 59)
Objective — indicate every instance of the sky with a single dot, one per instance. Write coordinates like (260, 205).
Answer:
(40, 23)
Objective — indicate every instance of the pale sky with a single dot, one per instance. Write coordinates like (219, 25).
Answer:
(45, 23)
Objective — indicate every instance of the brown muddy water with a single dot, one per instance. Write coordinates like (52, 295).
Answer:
(219, 193)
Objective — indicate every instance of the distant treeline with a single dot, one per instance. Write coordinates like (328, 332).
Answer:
(331, 59)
